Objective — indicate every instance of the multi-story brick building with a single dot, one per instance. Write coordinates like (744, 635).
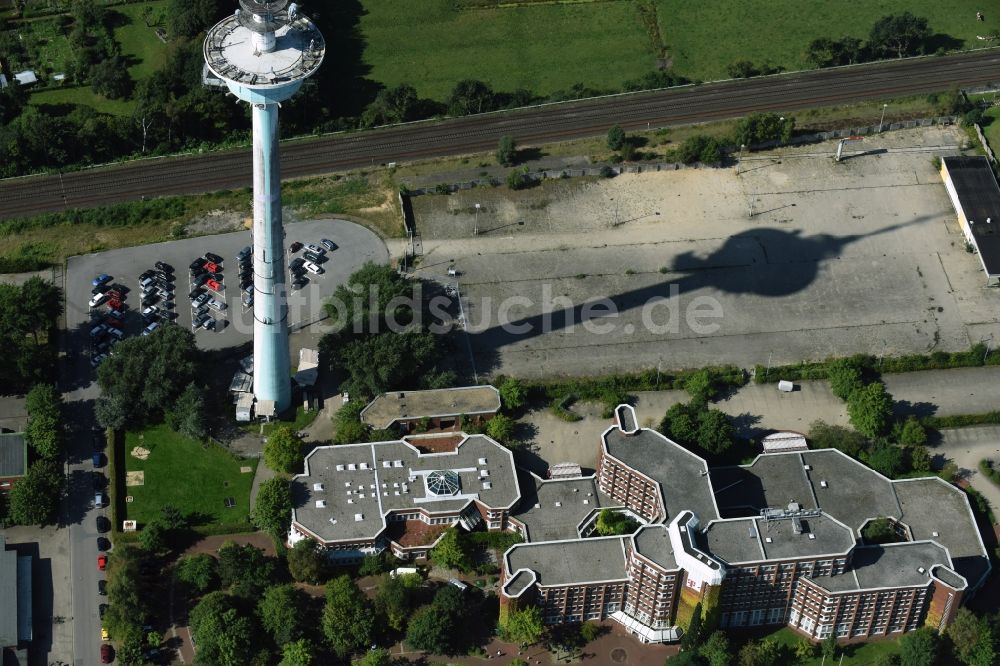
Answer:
(777, 541)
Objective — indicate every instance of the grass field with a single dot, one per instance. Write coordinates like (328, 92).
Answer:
(84, 96)
(991, 127)
(194, 478)
(140, 43)
(431, 45)
(854, 655)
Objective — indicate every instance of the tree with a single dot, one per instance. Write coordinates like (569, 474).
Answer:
(189, 414)
(172, 517)
(716, 650)
(870, 409)
(347, 424)
(880, 530)
(501, 428)
(760, 653)
(829, 647)
(189, 17)
(700, 148)
(297, 653)
(761, 127)
(377, 657)
(700, 386)
(616, 138)
(153, 536)
(742, 69)
(429, 631)
(845, 376)
(506, 151)
(524, 627)
(805, 649)
(471, 96)
(899, 34)
(305, 562)
(201, 572)
(715, 432)
(111, 79)
(920, 459)
(910, 433)
(449, 553)
(886, 459)
(589, 631)
(692, 635)
(391, 105)
(244, 570)
(918, 648)
(112, 411)
(394, 598)
(826, 436)
(387, 361)
(283, 450)
(348, 621)
(273, 511)
(826, 52)
(679, 425)
(224, 636)
(281, 610)
(518, 179)
(614, 523)
(973, 639)
(44, 434)
(35, 498)
(513, 395)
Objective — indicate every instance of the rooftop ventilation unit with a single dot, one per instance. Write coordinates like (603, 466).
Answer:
(350, 501)
(397, 463)
(812, 536)
(358, 517)
(333, 521)
(767, 539)
(920, 570)
(482, 461)
(318, 487)
(363, 465)
(487, 485)
(340, 468)
(320, 504)
(807, 467)
(934, 534)
(586, 501)
(558, 503)
(352, 467)
(386, 463)
(823, 484)
(347, 484)
(796, 525)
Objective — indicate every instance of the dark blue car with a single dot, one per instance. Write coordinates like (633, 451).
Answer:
(101, 279)
(98, 459)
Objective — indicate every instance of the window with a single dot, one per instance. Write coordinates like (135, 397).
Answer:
(775, 616)
(756, 617)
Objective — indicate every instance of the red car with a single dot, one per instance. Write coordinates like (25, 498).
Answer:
(211, 267)
(106, 654)
(213, 285)
(115, 304)
(102, 562)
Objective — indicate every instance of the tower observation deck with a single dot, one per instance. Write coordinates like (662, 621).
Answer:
(262, 53)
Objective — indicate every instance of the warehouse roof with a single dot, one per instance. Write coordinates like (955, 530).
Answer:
(979, 197)
(394, 406)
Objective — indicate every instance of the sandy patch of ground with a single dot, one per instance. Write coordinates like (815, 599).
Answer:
(135, 478)
(140, 453)
(217, 222)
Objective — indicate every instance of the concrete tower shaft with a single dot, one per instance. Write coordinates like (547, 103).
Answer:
(262, 53)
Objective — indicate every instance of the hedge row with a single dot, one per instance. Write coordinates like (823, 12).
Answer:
(974, 357)
(960, 420)
(597, 389)
(989, 471)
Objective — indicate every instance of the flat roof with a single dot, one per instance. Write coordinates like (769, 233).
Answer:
(390, 407)
(359, 484)
(754, 539)
(653, 542)
(682, 475)
(552, 510)
(889, 565)
(772, 480)
(979, 197)
(8, 592)
(13, 454)
(570, 562)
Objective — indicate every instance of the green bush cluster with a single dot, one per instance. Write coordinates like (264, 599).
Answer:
(989, 471)
(974, 357)
(595, 389)
(561, 408)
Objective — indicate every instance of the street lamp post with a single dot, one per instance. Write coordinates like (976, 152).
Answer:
(880, 120)
(475, 231)
(739, 161)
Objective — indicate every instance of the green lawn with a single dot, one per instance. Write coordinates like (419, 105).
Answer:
(704, 37)
(194, 478)
(857, 654)
(83, 96)
(991, 127)
(139, 42)
(431, 45)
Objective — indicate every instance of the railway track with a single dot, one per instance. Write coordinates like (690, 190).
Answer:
(554, 122)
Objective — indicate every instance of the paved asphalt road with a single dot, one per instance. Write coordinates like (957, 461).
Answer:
(551, 122)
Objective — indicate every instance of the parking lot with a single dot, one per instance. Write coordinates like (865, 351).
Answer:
(864, 255)
(234, 323)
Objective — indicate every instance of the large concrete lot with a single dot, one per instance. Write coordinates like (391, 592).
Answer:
(356, 246)
(860, 256)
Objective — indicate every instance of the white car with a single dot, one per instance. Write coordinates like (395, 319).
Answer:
(152, 327)
(148, 311)
(97, 299)
(316, 249)
(312, 268)
(216, 305)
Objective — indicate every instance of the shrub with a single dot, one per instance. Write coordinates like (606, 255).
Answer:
(560, 407)
(700, 148)
(870, 409)
(518, 179)
(506, 151)
(616, 138)
(607, 172)
(845, 375)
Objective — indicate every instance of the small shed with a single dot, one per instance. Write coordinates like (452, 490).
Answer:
(26, 78)
(783, 442)
(565, 470)
(308, 371)
(266, 409)
(244, 407)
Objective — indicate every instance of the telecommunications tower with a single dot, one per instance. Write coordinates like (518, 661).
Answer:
(262, 53)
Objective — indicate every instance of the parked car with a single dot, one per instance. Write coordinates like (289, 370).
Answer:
(201, 321)
(99, 289)
(299, 282)
(316, 249)
(198, 263)
(164, 266)
(149, 311)
(102, 609)
(115, 313)
(99, 439)
(103, 524)
(313, 268)
(214, 258)
(99, 481)
(145, 274)
(146, 282)
(328, 244)
(195, 293)
(201, 299)
(151, 327)
(100, 279)
(295, 247)
(313, 257)
(211, 267)
(97, 299)
(107, 653)
(248, 300)
(216, 305)
(98, 331)
(97, 360)
(105, 636)
(167, 305)
(244, 253)
(198, 271)
(117, 335)
(111, 322)
(295, 263)
(97, 458)
(213, 285)
(102, 585)
(102, 561)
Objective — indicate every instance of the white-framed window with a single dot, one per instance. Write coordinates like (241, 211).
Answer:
(775, 615)
(824, 631)
(739, 619)
(756, 617)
